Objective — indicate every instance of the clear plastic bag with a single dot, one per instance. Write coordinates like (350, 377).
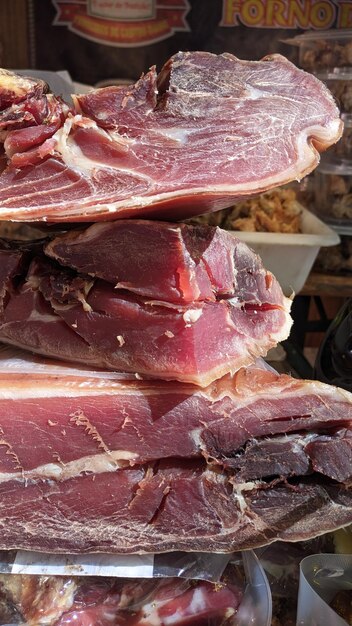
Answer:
(241, 595)
(195, 565)
(256, 606)
(322, 578)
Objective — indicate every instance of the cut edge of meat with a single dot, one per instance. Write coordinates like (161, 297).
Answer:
(218, 197)
(307, 143)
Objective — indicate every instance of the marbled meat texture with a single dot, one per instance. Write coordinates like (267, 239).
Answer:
(171, 262)
(170, 301)
(204, 132)
(93, 461)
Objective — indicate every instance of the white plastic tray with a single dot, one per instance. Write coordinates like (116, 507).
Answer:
(291, 257)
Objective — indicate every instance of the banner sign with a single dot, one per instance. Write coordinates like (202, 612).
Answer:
(123, 23)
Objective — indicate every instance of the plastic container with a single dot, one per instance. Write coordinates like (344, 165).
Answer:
(319, 50)
(323, 578)
(291, 257)
(339, 82)
(333, 191)
(281, 561)
(343, 148)
(336, 259)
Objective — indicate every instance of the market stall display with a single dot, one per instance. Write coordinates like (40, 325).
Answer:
(132, 463)
(339, 82)
(334, 359)
(333, 190)
(343, 148)
(336, 259)
(333, 204)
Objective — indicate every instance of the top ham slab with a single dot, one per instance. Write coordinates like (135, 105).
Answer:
(204, 132)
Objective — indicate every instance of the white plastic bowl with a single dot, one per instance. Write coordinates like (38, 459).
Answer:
(291, 257)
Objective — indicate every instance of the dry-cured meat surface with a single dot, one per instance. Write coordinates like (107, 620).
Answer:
(206, 131)
(174, 301)
(96, 461)
(167, 261)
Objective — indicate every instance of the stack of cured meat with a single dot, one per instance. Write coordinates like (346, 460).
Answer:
(171, 433)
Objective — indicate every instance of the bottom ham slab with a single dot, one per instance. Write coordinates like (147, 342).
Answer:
(96, 461)
(177, 509)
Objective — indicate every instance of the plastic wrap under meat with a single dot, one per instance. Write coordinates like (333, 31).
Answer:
(57, 601)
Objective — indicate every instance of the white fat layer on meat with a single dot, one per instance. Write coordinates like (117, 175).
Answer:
(197, 604)
(235, 302)
(303, 440)
(175, 618)
(73, 156)
(92, 464)
(195, 436)
(192, 315)
(238, 488)
(307, 159)
(70, 152)
(252, 93)
(45, 385)
(64, 385)
(151, 614)
(166, 305)
(13, 82)
(51, 379)
(180, 135)
(36, 316)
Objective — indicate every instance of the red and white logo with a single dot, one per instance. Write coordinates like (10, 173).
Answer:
(123, 23)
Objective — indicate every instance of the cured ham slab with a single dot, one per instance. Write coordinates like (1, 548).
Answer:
(95, 461)
(178, 302)
(204, 132)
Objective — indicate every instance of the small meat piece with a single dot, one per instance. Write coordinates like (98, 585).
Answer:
(205, 132)
(59, 601)
(167, 262)
(36, 600)
(15, 89)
